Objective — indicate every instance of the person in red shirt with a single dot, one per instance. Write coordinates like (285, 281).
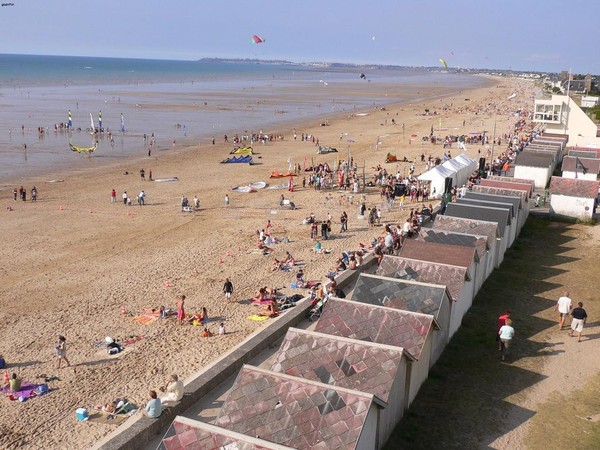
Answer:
(501, 322)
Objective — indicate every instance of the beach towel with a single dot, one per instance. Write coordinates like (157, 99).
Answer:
(145, 319)
(132, 340)
(26, 391)
(257, 317)
(261, 302)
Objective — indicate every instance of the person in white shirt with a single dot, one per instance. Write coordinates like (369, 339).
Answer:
(506, 333)
(173, 389)
(563, 306)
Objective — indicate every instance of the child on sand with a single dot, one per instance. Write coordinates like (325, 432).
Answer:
(180, 309)
(61, 351)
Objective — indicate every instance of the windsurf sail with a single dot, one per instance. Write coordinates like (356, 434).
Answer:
(93, 129)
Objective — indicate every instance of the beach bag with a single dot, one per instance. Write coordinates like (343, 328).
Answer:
(41, 389)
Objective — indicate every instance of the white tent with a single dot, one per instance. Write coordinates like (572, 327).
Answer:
(468, 167)
(437, 176)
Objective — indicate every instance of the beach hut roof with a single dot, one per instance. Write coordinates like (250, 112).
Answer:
(574, 187)
(468, 226)
(409, 295)
(365, 322)
(480, 243)
(501, 216)
(581, 165)
(455, 255)
(364, 366)
(275, 406)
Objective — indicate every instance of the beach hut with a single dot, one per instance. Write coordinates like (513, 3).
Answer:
(513, 209)
(411, 331)
(580, 168)
(523, 204)
(454, 278)
(476, 228)
(534, 166)
(500, 216)
(378, 369)
(409, 295)
(479, 243)
(299, 413)
(570, 197)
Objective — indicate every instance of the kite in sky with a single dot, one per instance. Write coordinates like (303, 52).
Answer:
(443, 61)
(257, 39)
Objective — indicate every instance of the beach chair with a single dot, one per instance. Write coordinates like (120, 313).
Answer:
(316, 311)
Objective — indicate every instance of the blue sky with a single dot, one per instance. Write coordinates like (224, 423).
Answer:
(522, 35)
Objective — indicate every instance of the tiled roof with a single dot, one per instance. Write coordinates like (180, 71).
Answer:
(573, 187)
(522, 195)
(339, 361)
(453, 277)
(514, 200)
(498, 215)
(587, 165)
(467, 226)
(523, 186)
(534, 159)
(376, 324)
(513, 180)
(453, 238)
(585, 153)
(189, 434)
(489, 204)
(409, 295)
(299, 413)
(455, 255)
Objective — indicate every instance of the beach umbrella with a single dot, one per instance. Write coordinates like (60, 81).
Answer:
(122, 123)
(100, 119)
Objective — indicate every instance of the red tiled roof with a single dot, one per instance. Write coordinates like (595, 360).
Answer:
(502, 191)
(573, 187)
(454, 255)
(508, 185)
(513, 180)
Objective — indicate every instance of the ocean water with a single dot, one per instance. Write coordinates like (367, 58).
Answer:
(188, 102)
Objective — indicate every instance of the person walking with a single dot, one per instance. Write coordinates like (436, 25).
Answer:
(228, 288)
(61, 352)
(579, 318)
(142, 198)
(113, 196)
(501, 322)
(506, 333)
(563, 306)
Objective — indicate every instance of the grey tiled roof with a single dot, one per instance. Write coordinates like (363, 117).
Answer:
(376, 324)
(534, 159)
(463, 256)
(573, 187)
(497, 215)
(489, 204)
(188, 434)
(349, 363)
(413, 296)
(453, 277)
(513, 199)
(467, 226)
(291, 411)
(513, 184)
(522, 195)
(589, 165)
(454, 238)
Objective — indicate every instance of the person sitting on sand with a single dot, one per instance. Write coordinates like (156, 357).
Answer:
(289, 260)
(260, 296)
(264, 248)
(222, 329)
(271, 310)
(352, 263)
(199, 318)
(300, 278)
(318, 248)
(173, 389)
(206, 332)
(14, 383)
(341, 265)
(277, 265)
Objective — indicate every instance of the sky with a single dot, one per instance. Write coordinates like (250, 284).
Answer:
(528, 35)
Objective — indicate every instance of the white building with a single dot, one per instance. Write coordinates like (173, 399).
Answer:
(580, 168)
(562, 115)
(573, 197)
(589, 101)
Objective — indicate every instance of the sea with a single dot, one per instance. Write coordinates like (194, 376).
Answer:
(179, 103)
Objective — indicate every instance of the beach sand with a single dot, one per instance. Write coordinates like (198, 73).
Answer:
(71, 262)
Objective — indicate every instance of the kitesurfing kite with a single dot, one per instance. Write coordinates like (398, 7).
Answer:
(325, 83)
(88, 150)
(257, 39)
(362, 76)
(443, 61)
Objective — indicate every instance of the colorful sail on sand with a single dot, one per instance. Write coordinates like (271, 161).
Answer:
(88, 150)
(70, 122)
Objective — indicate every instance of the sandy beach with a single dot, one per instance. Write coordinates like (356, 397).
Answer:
(73, 262)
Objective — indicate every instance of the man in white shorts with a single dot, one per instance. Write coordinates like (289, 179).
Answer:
(579, 318)
(563, 306)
